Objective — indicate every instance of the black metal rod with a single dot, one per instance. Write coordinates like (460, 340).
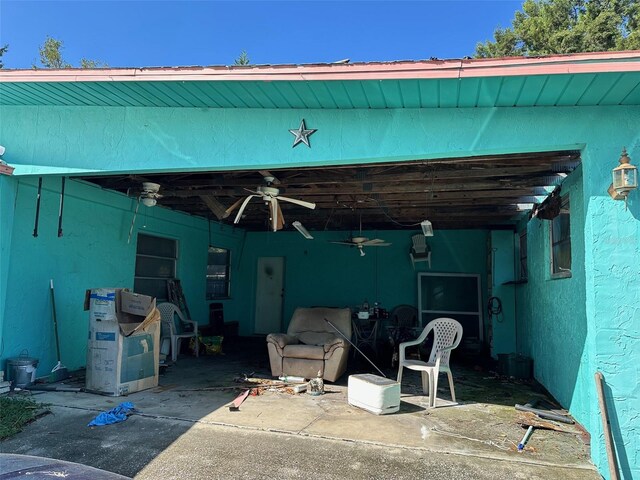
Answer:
(35, 228)
(61, 208)
(352, 344)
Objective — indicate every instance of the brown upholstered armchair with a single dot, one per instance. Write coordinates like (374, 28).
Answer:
(311, 345)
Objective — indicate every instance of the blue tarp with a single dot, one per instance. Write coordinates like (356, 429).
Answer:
(115, 415)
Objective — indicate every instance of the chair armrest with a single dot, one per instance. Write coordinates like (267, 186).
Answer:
(281, 339)
(193, 323)
(404, 345)
(330, 346)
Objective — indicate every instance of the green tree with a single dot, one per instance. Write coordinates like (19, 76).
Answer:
(243, 59)
(3, 50)
(545, 27)
(51, 56)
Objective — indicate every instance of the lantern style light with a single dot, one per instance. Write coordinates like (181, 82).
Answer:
(427, 228)
(625, 176)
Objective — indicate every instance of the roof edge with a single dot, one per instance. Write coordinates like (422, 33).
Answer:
(597, 62)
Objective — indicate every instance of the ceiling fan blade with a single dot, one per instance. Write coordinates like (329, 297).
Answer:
(351, 244)
(375, 244)
(374, 241)
(228, 211)
(244, 204)
(215, 206)
(280, 216)
(302, 203)
(274, 214)
(252, 191)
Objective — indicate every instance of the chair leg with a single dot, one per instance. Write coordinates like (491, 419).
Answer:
(174, 349)
(453, 391)
(400, 375)
(425, 382)
(197, 347)
(434, 387)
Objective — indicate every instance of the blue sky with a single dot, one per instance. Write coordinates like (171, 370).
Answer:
(171, 33)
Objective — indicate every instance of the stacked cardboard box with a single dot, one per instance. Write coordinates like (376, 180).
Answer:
(124, 341)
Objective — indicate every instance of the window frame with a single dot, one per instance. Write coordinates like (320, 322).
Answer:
(565, 209)
(226, 280)
(173, 260)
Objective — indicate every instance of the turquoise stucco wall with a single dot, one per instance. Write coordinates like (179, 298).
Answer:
(321, 273)
(552, 322)
(93, 252)
(8, 190)
(601, 332)
(57, 139)
(612, 266)
(503, 272)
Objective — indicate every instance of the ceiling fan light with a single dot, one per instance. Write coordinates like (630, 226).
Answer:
(427, 228)
(149, 201)
(303, 231)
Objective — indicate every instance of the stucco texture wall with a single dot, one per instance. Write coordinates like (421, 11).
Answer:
(93, 252)
(321, 273)
(598, 322)
(613, 297)
(552, 322)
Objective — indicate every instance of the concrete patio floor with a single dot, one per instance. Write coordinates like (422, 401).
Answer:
(185, 430)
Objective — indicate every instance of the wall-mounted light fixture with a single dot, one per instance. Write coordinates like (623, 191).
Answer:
(5, 168)
(303, 231)
(427, 228)
(625, 178)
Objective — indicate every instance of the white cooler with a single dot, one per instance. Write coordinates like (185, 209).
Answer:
(374, 394)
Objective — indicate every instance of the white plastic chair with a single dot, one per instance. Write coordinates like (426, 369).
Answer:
(447, 334)
(420, 251)
(167, 313)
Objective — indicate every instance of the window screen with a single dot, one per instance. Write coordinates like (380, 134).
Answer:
(218, 273)
(155, 263)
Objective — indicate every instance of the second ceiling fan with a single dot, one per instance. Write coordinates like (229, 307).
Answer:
(271, 197)
(361, 241)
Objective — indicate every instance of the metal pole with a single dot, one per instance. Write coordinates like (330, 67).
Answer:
(606, 426)
(351, 343)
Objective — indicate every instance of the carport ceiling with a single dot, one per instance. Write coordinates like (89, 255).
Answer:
(453, 193)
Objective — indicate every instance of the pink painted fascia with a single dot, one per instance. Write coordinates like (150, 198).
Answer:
(599, 62)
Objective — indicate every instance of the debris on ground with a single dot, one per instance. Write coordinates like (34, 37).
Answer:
(544, 413)
(235, 405)
(115, 415)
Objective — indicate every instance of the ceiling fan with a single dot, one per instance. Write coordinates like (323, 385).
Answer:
(361, 241)
(271, 197)
(149, 195)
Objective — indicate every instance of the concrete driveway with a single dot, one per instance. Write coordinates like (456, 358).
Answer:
(185, 430)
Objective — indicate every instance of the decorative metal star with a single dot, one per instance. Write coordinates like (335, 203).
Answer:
(302, 134)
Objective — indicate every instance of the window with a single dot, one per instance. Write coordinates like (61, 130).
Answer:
(218, 273)
(155, 263)
(561, 242)
(523, 255)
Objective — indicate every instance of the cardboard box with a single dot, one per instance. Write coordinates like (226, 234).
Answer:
(124, 342)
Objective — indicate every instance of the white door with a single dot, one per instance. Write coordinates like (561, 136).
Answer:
(269, 295)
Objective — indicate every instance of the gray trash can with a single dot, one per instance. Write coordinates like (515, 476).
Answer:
(21, 371)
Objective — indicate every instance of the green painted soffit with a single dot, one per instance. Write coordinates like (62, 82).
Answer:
(619, 88)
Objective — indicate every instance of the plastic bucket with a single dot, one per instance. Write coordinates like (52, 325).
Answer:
(21, 371)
